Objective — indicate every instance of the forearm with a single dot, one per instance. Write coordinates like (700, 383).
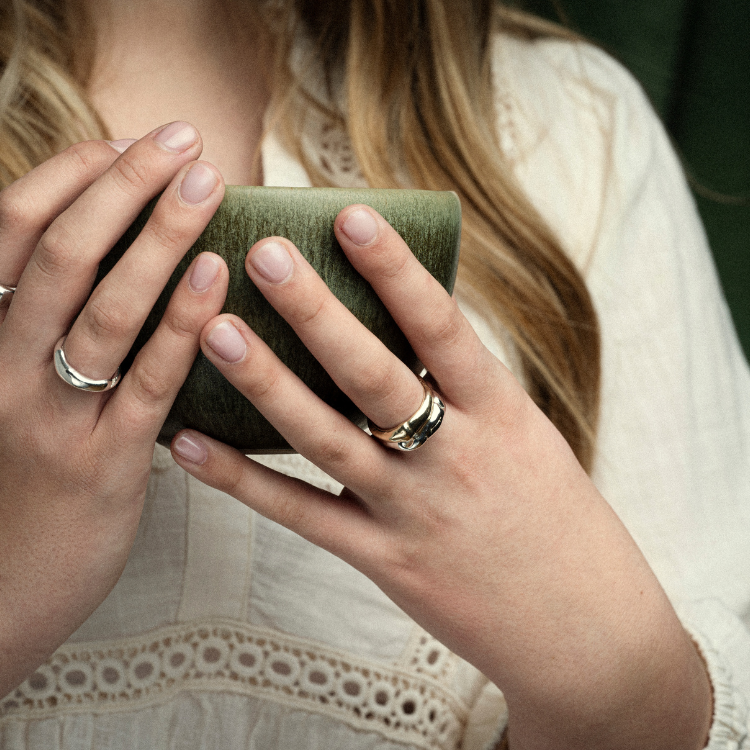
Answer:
(60, 560)
(596, 657)
(667, 705)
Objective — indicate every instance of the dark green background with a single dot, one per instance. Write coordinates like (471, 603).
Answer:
(693, 59)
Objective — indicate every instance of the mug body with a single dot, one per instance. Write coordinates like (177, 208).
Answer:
(428, 221)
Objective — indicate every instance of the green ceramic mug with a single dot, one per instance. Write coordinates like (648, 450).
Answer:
(430, 224)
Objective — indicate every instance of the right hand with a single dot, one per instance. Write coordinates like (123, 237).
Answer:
(74, 465)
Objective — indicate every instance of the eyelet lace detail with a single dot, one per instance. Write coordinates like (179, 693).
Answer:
(327, 144)
(335, 156)
(411, 705)
(426, 655)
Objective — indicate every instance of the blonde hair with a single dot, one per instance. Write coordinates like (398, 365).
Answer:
(417, 112)
(43, 104)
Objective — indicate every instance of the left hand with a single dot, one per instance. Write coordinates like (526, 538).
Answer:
(491, 535)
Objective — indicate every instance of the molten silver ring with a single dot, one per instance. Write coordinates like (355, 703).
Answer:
(420, 427)
(72, 377)
(6, 292)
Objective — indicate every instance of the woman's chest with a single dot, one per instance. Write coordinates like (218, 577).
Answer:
(216, 598)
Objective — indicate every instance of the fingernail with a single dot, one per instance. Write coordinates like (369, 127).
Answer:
(197, 184)
(204, 273)
(360, 227)
(121, 144)
(227, 342)
(177, 136)
(191, 449)
(273, 262)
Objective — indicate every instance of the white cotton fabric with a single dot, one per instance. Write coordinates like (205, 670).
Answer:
(228, 631)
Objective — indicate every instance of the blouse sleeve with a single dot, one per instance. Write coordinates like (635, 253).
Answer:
(673, 454)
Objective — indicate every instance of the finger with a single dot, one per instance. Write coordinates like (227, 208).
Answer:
(30, 204)
(140, 404)
(312, 428)
(440, 334)
(110, 321)
(379, 383)
(334, 523)
(62, 268)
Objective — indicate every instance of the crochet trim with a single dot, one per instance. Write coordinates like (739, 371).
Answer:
(407, 704)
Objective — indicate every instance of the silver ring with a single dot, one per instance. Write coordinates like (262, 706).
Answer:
(415, 431)
(6, 292)
(72, 377)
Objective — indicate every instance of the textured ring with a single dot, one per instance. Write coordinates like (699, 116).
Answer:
(416, 430)
(6, 292)
(72, 377)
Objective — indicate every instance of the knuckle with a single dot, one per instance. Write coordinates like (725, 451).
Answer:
(103, 319)
(448, 325)
(56, 251)
(333, 450)
(263, 382)
(391, 266)
(80, 164)
(148, 386)
(87, 157)
(180, 323)
(308, 311)
(231, 478)
(381, 379)
(132, 174)
(165, 234)
(16, 212)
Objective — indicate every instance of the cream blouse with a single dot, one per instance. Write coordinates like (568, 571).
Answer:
(228, 631)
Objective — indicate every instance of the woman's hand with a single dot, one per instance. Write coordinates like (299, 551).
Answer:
(490, 535)
(74, 464)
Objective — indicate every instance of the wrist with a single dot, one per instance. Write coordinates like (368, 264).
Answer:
(53, 576)
(661, 701)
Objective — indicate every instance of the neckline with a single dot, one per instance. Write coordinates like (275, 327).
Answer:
(280, 168)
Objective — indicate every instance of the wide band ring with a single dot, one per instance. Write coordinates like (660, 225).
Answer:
(72, 377)
(416, 430)
(6, 292)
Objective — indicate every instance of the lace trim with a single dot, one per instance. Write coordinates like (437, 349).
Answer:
(128, 674)
(336, 156)
(505, 105)
(426, 655)
(327, 144)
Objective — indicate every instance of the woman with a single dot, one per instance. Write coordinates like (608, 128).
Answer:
(142, 606)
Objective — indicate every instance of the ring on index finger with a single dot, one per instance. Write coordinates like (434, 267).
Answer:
(72, 377)
(416, 430)
(6, 292)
